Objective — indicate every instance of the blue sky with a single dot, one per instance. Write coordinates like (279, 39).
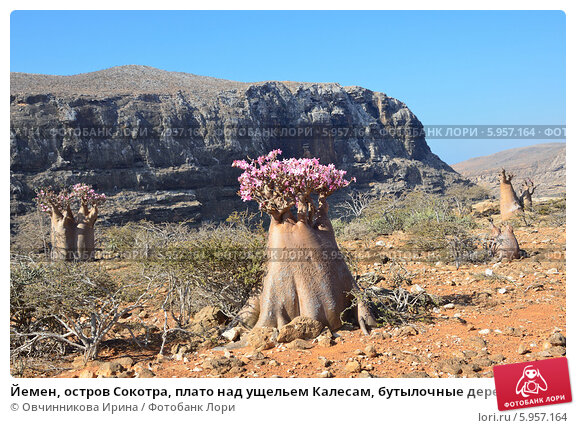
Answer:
(474, 67)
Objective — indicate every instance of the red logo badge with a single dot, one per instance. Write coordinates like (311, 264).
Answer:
(535, 383)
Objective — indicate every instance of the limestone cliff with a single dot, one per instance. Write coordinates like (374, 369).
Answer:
(162, 143)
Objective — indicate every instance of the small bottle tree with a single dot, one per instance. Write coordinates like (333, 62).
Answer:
(528, 190)
(89, 201)
(62, 222)
(510, 205)
(71, 237)
(306, 273)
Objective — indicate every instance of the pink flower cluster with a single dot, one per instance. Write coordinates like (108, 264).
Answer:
(46, 197)
(87, 194)
(279, 184)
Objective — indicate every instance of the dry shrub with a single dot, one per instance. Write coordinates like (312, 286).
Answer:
(395, 305)
(72, 304)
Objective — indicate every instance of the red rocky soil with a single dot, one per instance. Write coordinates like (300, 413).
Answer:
(497, 313)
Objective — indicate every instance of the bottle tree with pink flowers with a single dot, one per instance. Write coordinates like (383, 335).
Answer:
(306, 273)
(89, 201)
(62, 222)
(71, 237)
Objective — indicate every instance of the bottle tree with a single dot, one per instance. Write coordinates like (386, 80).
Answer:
(306, 273)
(89, 201)
(62, 222)
(71, 237)
(510, 205)
(528, 190)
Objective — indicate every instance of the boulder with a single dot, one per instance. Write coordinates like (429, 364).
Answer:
(300, 328)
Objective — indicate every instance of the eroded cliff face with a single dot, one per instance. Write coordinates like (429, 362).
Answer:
(162, 143)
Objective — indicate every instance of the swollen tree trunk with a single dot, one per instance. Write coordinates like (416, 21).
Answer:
(85, 232)
(510, 205)
(306, 274)
(63, 234)
(507, 244)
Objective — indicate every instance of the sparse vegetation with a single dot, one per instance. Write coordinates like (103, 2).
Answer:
(442, 224)
(59, 307)
(172, 271)
(73, 304)
(216, 265)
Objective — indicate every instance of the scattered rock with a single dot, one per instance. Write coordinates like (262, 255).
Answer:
(557, 339)
(87, 374)
(326, 338)
(468, 353)
(108, 369)
(448, 306)
(512, 331)
(555, 351)
(498, 358)
(406, 330)
(451, 366)
(418, 374)
(125, 362)
(470, 369)
(523, 349)
(325, 374)
(257, 356)
(160, 358)
(145, 373)
(352, 367)
(299, 344)
(236, 371)
(300, 328)
(78, 362)
(482, 362)
(207, 318)
(370, 351)
(325, 342)
(484, 331)
(558, 351)
(380, 335)
(179, 349)
(262, 338)
(416, 289)
(233, 334)
(222, 365)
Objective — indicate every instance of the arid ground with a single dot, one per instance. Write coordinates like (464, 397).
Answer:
(482, 315)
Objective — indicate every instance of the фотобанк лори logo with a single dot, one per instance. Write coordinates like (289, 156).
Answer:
(534, 383)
